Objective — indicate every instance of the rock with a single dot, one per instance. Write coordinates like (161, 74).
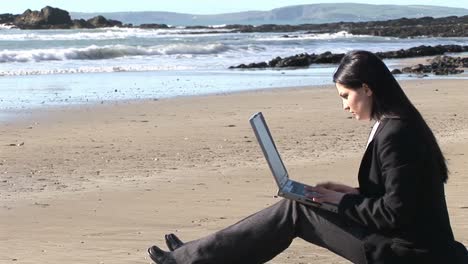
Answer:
(100, 21)
(422, 51)
(300, 60)
(274, 62)
(48, 17)
(447, 71)
(154, 26)
(80, 23)
(304, 60)
(7, 18)
(444, 65)
(440, 65)
(328, 57)
(441, 61)
(425, 26)
(396, 71)
(451, 26)
(406, 70)
(55, 18)
(418, 67)
(250, 66)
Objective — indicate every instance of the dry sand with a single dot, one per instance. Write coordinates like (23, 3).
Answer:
(101, 183)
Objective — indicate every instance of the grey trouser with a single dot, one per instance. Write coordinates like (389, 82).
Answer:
(263, 235)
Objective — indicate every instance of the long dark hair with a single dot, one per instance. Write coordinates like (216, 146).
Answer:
(363, 67)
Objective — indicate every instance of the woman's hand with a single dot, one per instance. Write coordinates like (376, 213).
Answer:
(329, 192)
(338, 187)
(321, 195)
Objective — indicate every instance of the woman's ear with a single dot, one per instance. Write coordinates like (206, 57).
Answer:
(367, 90)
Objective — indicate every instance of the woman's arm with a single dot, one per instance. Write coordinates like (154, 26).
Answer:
(329, 192)
(401, 166)
(338, 187)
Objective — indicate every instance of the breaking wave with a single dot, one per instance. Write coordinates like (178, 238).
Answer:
(108, 52)
(99, 34)
(312, 36)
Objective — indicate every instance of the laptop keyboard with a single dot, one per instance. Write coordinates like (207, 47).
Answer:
(297, 188)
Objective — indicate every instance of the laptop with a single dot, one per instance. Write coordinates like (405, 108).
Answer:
(287, 188)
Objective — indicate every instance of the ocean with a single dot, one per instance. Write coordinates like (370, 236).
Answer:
(41, 68)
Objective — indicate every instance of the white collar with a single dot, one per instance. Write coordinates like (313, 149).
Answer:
(372, 133)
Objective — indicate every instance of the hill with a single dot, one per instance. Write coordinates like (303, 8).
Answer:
(300, 14)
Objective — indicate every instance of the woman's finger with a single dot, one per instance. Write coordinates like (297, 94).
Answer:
(324, 184)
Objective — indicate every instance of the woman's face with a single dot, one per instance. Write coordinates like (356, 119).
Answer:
(356, 101)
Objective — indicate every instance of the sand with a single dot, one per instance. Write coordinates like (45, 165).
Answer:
(101, 183)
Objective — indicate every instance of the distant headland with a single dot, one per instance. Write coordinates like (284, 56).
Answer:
(452, 26)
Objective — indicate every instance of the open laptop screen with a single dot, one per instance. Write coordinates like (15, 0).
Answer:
(269, 149)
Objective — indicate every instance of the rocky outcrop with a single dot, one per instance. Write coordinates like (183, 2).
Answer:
(100, 21)
(48, 17)
(154, 26)
(80, 23)
(440, 65)
(296, 61)
(7, 18)
(55, 18)
(96, 22)
(422, 51)
(451, 26)
(426, 26)
(304, 60)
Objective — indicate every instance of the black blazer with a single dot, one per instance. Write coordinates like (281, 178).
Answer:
(402, 200)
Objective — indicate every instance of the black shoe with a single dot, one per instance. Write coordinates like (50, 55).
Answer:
(173, 242)
(158, 255)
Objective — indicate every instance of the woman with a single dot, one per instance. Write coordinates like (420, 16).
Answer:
(397, 215)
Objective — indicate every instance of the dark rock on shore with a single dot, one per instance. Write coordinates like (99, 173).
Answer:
(7, 18)
(55, 18)
(451, 26)
(296, 61)
(422, 51)
(252, 65)
(300, 60)
(154, 26)
(426, 26)
(96, 22)
(101, 21)
(304, 60)
(48, 17)
(440, 65)
(80, 23)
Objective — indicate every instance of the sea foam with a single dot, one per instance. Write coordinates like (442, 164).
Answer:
(95, 52)
(101, 34)
(108, 69)
(312, 36)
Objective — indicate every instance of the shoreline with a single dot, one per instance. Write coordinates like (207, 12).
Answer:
(9, 115)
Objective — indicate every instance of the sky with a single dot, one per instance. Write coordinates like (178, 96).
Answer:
(193, 6)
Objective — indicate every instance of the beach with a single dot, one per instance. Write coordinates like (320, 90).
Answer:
(100, 183)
